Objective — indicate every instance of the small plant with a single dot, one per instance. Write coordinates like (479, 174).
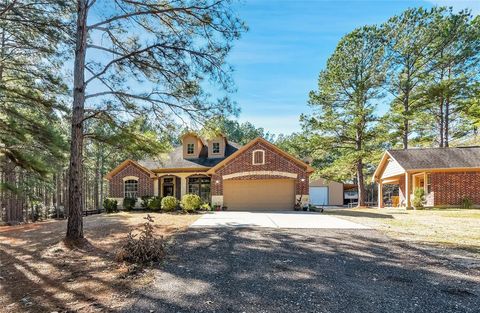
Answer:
(191, 202)
(155, 204)
(145, 201)
(144, 249)
(129, 203)
(418, 198)
(217, 207)
(205, 207)
(110, 205)
(169, 203)
(467, 203)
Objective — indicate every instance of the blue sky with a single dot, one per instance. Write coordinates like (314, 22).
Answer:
(278, 61)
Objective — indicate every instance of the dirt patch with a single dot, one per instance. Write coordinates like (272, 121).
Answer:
(40, 273)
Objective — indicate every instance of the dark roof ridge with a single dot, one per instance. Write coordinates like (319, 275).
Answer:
(433, 148)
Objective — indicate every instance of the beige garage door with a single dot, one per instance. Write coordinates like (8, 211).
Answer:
(265, 194)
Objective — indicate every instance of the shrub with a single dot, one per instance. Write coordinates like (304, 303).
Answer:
(418, 198)
(129, 203)
(110, 205)
(155, 204)
(144, 249)
(467, 203)
(145, 201)
(205, 207)
(169, 203)
(191, 202)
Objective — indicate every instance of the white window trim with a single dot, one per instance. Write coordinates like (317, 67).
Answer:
(263, 157)
(193, 148)
(219, 147)
(125, 179)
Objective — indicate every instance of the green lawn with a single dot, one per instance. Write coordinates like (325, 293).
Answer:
(457, 228)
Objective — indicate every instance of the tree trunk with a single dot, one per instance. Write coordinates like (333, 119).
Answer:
(97, 182)
(13, 215)
(75, 197)
(442, 122)
(361, 184)
(447, 122)
(447, 112)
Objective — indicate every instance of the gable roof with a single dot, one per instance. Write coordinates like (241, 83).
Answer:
(176, 160)
(431, 158)
(267, 143)
(125, 164)
(437, 158)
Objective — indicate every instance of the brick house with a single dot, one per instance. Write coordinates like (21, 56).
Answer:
(448, 175)
(256, 176)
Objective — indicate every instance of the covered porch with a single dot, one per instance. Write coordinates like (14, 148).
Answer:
(405, 184)
(179, 184)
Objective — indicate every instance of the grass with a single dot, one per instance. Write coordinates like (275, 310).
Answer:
(450, 228)
(39, 273)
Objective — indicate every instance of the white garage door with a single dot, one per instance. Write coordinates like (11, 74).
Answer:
(319, 195)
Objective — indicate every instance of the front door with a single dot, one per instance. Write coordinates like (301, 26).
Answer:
(167, 190)
(168, 187)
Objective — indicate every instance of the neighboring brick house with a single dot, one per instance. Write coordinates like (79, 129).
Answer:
(449, 175)
(257, 176)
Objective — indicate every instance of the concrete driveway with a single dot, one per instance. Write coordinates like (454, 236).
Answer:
(288, 219)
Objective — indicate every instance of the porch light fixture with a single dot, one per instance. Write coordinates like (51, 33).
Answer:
(217, 182)
(302, 180)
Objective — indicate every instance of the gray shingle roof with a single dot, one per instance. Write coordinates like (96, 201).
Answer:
(430, 158)
(175, 159)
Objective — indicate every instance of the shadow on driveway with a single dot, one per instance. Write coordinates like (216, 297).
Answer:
(265, 270)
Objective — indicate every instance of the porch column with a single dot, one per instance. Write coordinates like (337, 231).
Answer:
(183, 186)
(156, 182)
(407, 191)
(380, 194)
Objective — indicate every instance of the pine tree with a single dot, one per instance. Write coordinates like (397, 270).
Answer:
(344, 117)
(151, 58)
(30, 92)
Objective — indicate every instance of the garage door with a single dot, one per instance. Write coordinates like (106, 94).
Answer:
(319, 195)
(265, 194)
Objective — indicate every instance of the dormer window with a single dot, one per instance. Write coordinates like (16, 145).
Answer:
(190, 148)
(216, 148)
(258, 157)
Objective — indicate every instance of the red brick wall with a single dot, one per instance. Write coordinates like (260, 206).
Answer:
(145, 183)
(273, 162)
(450, 188)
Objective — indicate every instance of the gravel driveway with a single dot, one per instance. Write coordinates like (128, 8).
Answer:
(309, 270)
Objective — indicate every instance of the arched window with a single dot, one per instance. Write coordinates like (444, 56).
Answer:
(131, 188)
(258, 157)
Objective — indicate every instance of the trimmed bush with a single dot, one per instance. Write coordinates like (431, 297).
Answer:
(129, 203)
(191, 202)
(155, 204)
(467, 203)
(418, 198)
(205, 207)
(145, 201)
(110, 205)
(169, 203)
